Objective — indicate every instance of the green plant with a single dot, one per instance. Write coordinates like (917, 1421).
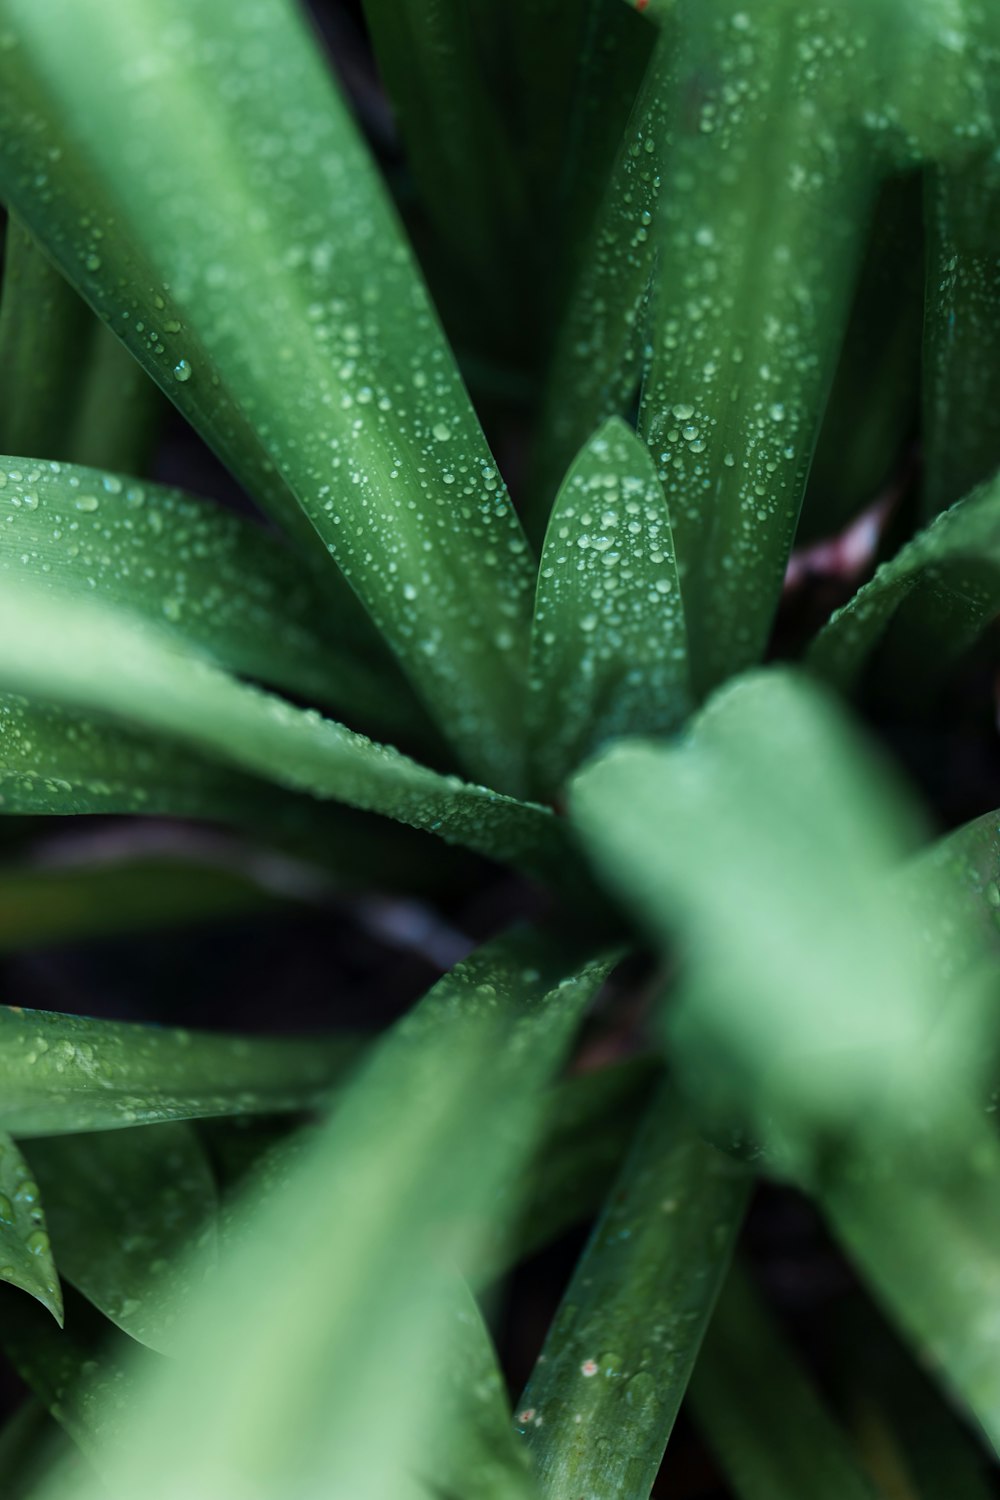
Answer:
(680, 254)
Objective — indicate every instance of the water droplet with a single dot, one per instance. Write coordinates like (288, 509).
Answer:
(182, 370)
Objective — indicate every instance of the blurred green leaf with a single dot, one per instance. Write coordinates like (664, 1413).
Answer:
(123, 1206)
(240, 242)
(609, 644)
(206, 576)
(601, 1403)
(287, 1393)
(763, 843)
(63, 1074)
(33, 1447)
(47, 904)
(25, 1247)
(924, 606)
(762, 1417)
(88, 655)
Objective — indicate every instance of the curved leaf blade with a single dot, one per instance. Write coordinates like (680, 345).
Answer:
(141, 676)
(123, 1206)
(318, 390)
(609, 641)
(25, 1247)
(62, 1074)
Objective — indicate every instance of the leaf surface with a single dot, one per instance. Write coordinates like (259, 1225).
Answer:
(25, 1247)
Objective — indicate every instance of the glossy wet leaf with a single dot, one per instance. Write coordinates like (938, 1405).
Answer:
(25, 1246)
(761, 1415)
(207, 577)
(119, 666)
(62, 1074)
(239, 240)
(609, 641)
(763, 843)
(398, 1186)
(924, 606)
(600, 1405)
(123, 1206)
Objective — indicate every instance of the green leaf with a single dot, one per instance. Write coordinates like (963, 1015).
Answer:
(763, 842)
(118, 666)
(43, 331)
(205, 575)
(45, 904)
(608, 645)
(598, 357)
(964, 865)
(32, 1448)
(63, 1074)
(925, 606)
(25, 1247)
(123, 1205)
(80, 1375)
(961, 329)
(355, 1252)
(238, 239)
(601, 1403)
(763, 1419)
(937, 1278)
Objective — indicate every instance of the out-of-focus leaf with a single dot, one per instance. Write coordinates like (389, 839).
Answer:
(203, 574)
(924, 606)
(401, 1185)
(875, 398)
(590, 1122)
(123, 1206)
(961, 330)
(90, 656)
(763, 842)
(119, 411)
(25, 1247)
(608, 644)
(43, 332)
(238, 239)
(62, 1074)
(965, 865)
(32, 1447)
(914, 1447)
(763, 1419)
(79, 1373)
(45, 904)
(937, 1278)
(601, 1403)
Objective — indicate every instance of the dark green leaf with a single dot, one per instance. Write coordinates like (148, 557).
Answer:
(34, 1448)
(123, 1206)
(761, 1415)
(25, 1248)
(933, 598)
(239, 240)
(62, 1074)
(600, 1406)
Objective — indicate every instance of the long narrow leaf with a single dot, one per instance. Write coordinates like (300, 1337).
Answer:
(91, 657)
(234, 237)
(62, 1074)
(601, 1403)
